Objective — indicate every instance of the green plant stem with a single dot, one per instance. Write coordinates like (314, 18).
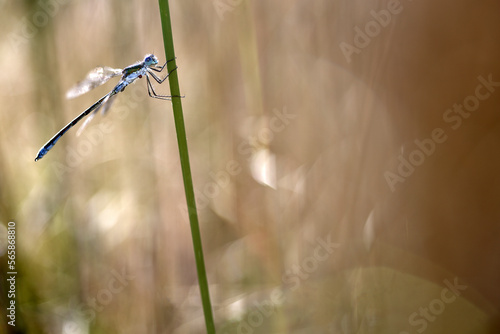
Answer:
(186, 169)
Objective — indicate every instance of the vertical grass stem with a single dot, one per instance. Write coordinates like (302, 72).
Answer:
(186, 169)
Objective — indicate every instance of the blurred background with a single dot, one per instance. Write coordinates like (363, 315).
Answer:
(344, 153)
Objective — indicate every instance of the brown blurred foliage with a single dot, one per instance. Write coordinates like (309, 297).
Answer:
(344, 153)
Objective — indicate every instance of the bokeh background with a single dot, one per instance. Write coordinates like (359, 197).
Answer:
(302, 117)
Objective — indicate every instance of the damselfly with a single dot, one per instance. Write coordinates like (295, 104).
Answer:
(99, 76)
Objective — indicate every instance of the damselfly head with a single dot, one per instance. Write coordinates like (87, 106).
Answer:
(150, 60)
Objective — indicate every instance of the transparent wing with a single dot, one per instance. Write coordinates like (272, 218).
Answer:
(91, 116)
(94, 78)
(108, 104)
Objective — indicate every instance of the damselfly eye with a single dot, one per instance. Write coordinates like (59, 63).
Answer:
(148, 59)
